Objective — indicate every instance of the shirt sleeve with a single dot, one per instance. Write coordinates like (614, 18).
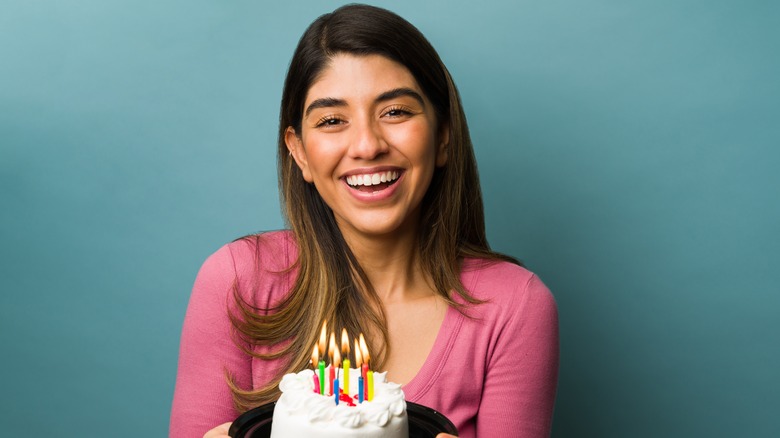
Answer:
(522, 373)
(202, 399)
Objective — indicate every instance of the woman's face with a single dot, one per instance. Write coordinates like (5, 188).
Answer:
(369, 142)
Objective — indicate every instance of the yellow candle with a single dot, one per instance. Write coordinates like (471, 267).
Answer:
(346, 376)
(346, 364)
(370, 385)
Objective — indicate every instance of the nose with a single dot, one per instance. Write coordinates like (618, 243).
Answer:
(367, 143)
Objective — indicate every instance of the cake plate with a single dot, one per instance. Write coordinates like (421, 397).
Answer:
(424, 422)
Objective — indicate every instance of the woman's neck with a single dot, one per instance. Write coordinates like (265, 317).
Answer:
(392, 265)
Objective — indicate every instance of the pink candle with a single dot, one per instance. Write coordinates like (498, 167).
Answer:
(331, 377)
(316, 363)
(364, 375)
(332, 353)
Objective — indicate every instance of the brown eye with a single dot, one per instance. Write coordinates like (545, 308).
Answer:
(329, 121)
(397, 112)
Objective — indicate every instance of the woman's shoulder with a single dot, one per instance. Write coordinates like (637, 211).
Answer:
(251, 264)
(271, 251)
(495, 275)
(503, 284)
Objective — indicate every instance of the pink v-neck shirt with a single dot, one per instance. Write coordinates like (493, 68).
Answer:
(492, 372)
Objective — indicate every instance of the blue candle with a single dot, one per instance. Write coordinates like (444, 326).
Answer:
(336, 390)
(360, 389)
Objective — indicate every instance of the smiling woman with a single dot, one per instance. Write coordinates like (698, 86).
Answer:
(379, 185)
(367, 132)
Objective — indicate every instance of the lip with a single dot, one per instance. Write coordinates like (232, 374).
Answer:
(379, 195)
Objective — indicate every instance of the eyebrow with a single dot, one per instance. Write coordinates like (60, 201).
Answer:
(400, 92)
(328, 102)
(325, 102)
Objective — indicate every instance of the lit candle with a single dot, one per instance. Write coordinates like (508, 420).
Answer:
(359, 367)
(369, 391)
(336, 391)
(336, 360)
(321, 354)
(360, 389)
(370, 385)
(346, 365)
(331, 376)
(322, 376)
(317, 385)
(333, 362)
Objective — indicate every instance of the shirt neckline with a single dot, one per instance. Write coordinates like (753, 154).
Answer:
(434, 364)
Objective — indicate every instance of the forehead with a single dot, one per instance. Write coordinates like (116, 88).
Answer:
(348, 77)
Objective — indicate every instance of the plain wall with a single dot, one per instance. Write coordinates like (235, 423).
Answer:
(628, 152)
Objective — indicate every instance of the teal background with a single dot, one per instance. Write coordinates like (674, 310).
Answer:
(628, 153)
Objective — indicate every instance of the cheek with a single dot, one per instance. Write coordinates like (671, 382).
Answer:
(322, 154)
(416, 140)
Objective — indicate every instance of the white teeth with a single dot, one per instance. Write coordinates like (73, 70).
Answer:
(372, 179)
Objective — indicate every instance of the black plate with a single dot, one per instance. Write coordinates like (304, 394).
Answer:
(424, 422)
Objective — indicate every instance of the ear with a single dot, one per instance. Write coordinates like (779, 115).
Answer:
(295, 146)
(443, 144)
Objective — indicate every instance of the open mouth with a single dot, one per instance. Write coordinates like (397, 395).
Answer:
(373, 182)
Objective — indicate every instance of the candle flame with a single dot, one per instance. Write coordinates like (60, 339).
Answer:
(364, 349)
(336, 358)
(323, 337)
(344, 342)
(358, 356)
(333, 352)
(315, 357)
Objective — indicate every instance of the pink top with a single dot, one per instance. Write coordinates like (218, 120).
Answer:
(492, 375)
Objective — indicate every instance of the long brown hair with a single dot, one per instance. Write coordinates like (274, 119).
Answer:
(330, 283)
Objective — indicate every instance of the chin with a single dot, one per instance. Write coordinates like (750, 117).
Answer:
(375, 228)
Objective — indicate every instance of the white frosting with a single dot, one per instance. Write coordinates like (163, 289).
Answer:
(302, 412)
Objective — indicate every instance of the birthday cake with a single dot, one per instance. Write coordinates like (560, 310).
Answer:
(303, 409)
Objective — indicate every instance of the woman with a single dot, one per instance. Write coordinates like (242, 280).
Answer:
(380, 189)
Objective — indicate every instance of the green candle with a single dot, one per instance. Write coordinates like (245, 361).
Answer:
(322, 376)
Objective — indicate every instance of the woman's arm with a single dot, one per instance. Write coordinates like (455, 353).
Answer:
(202, 399)
(519, 388)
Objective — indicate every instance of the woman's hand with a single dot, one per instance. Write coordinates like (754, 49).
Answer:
(445, 435)
(220, 431)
